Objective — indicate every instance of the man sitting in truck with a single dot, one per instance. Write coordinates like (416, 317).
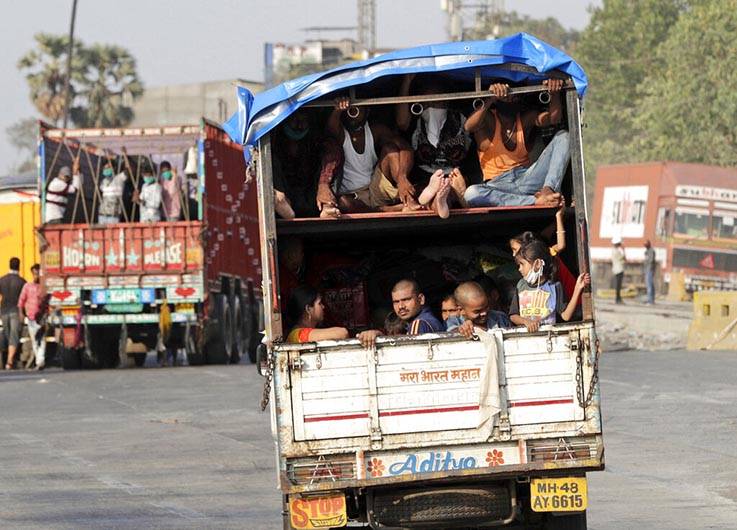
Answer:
(376, 164)
(503, 132)
(475, 311)
(300, 159)
(409, 305)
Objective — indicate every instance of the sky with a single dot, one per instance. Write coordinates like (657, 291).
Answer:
(187, 41)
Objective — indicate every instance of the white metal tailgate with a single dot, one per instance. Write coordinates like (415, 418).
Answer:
(330, 395)
(541, 379)
(425, 387)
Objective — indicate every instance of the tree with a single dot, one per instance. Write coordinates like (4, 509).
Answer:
(688, 111)
(104, 81)
(46, 73)
(22, 135)
(548, 29)
(108, 90)
(617, 51)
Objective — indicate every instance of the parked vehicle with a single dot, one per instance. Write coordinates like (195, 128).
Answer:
(431, 430)
(120, 290)
(687, 211)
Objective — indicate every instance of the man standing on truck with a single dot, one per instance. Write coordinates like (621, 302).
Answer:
(11, 286)
(376, 163)
(171, 192)
(58, 192)
(503, 132)
(649, 265)
(149, 197)
(111, 189)
(409, 305)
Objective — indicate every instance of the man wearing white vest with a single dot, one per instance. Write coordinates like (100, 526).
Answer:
(376, 165)
(58, 192)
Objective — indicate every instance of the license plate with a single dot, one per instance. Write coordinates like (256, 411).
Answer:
(123, 296)
(184, 308)
(317, 512)
(568, 494)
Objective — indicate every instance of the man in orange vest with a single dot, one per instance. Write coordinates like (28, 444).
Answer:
(502, 132)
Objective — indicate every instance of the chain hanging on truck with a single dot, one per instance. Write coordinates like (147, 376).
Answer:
(584, 402)
(268, 376)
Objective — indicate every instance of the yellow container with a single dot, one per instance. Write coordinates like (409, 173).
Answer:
(17, 236)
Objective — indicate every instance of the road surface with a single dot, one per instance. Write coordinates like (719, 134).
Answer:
(187, 447)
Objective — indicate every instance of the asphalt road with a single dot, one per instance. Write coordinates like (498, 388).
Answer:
(187, 447)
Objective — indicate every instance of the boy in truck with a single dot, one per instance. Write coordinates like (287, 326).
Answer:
(475, 311)
(503, 130)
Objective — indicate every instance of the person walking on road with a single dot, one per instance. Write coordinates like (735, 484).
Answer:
(30, 306)
(618, 261)
(11, 286)
(649, 265)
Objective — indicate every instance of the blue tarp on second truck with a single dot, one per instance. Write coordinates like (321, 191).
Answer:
(257, 115)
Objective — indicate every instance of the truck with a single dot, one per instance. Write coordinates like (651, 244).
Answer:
(430, 430)
(686, 211)
(117, 291)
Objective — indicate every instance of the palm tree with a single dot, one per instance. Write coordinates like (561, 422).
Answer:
(108, 88)
(45, 69)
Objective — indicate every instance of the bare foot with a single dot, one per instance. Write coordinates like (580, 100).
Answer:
(548, 199)
(329, 212)
(432, 188)
(412, 206)
(441, 199)
(458, 183)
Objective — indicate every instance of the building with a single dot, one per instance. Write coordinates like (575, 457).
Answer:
(186, 104)
(687, 211)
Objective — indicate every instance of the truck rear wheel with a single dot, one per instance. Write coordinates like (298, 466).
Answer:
(219, 347)
(574, 521)
(238, 309)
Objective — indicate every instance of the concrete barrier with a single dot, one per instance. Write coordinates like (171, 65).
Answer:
(714, 324)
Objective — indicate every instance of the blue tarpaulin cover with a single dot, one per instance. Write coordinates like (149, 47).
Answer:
(258, 114)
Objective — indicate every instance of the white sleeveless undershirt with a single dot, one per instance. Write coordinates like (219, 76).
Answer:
(358, 167)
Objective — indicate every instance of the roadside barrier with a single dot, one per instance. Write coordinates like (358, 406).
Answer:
(714, 324)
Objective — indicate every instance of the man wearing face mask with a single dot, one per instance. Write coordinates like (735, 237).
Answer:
(111, 190)
(171, 192)
(376, 164)
(440, 144)
(502, 129)
(301, 158)
(149, 197)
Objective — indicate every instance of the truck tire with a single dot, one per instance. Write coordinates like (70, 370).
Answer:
(195, 357)
(219, 347)
(237, 349)
(574, 521)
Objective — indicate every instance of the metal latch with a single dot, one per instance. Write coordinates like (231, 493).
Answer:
(574, 340)
(296, 364)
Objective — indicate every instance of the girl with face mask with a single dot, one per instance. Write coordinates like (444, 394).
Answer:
(540, 299)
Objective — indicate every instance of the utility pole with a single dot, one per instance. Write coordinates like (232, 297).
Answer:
(70, 51)
(367, 25)
(486, 12)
